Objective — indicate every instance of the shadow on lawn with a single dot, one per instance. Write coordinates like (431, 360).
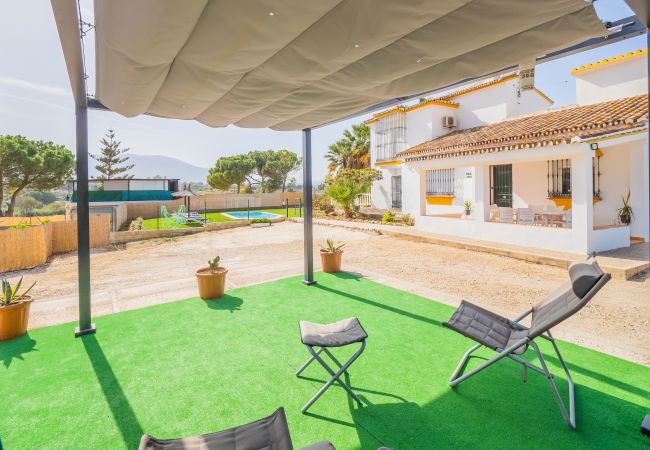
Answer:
(492, 410)
(121, 409)
(16, 348)
(226, 303)
(367, 301)
(602, 378)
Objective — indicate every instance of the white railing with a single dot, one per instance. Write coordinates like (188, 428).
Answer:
(364, 200)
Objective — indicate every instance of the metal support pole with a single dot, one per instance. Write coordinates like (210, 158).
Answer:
(83, 223)
(307, 225)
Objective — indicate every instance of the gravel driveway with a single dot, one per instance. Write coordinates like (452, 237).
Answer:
(138, 274)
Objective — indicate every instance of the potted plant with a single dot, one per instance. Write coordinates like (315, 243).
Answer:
(14, 310)
(625, 213)
(259, 223)
(212, 280)
(468, 207)
(330, 256)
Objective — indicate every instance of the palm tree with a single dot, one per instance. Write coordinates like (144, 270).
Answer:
(344, 192)
(350, 152)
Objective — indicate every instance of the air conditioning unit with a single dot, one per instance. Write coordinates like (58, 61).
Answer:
(449, 122)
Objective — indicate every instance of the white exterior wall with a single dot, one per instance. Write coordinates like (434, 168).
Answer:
(614, 182)
(381, 195)
(549, 238)
(116, 185)
(640, 189)
(413, 191)
(496, 103)
(530, 184)
(463, 190)
(425, 123)
(148, 185)
(618, 79)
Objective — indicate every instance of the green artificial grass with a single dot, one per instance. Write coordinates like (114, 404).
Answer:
(155, 224)
(192, 367)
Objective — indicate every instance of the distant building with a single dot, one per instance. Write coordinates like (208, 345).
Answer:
(111, 196)
(516, 160)
(127, 189)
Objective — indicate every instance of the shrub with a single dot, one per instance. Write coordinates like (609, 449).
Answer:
(322, 202)
(136, 224)
(388, 217)
(20, 226)
(45, 197)
(407, 219)
(260, 221)
(345, 192)
(52, 209)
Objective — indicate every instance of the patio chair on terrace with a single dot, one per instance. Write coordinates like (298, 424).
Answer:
(506, 215)
(494, 212)
(565, 221)
(272, 432)
(510, 338)
(526, 216)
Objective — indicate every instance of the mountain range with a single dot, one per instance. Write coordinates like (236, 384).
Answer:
(149, 166)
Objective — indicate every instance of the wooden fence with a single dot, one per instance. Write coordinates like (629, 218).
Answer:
(32, 246)
(212, 202)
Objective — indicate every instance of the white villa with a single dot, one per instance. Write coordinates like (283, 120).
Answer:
(535, 176)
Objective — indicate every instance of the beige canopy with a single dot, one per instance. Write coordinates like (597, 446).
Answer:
(298, 64)
(295, 64)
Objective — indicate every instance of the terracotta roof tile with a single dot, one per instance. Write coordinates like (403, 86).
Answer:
(554, 127)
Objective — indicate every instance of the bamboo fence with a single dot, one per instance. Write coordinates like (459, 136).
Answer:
(32, 246)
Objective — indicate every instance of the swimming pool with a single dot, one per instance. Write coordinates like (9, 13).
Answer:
(239, 215)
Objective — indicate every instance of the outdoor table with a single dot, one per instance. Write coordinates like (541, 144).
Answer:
(548, 215)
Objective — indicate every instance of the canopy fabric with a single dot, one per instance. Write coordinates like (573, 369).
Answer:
(295, 64)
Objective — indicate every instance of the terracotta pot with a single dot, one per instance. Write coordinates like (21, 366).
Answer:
(331, 261)
(211, 285)
(14, 318)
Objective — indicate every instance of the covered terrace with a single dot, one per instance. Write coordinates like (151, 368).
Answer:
(192, 367)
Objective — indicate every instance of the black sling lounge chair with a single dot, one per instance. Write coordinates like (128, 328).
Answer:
(269, 433)
(509, 338)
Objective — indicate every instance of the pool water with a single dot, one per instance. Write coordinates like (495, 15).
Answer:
(253, 215)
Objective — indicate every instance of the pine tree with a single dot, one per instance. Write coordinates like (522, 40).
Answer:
(110, 163)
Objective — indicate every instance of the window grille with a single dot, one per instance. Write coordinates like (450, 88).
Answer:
(559, 178)
(440, 182)
(390, 136)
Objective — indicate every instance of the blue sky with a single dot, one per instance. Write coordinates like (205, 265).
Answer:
(35, 97)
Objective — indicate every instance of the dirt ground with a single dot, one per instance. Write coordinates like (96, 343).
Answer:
(138, 274)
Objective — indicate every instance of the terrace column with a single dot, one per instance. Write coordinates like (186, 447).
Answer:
(481, 197)
(413, 191)
(582, 208)
(307, 221)
(83, 225)
(640, 190)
